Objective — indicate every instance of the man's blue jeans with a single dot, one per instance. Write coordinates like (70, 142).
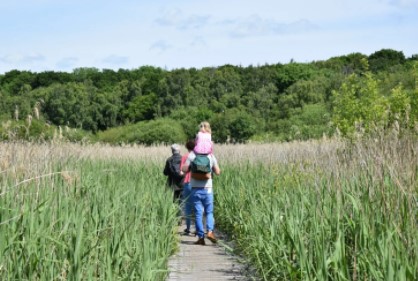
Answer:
(188, 204)
(203, 203)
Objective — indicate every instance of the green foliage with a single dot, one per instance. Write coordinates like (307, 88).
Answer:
(241, 127)
(291, 73)
(413, 97)
(38, 131)
(147, 132)
(234, 125)
(158, 131)
(141, 108)
(348, 64)
(97, 221)
(358, 103)
(385, 59)
(220, 128)
(261, 103)
(96, 100)
(190, 118)
(115, 135)
(33, 130)
(359, 107)
(78, 135)
(312, 122)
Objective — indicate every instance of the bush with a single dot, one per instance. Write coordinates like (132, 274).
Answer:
(115, 135)
(162, 130)
(158, 131)
(36, 130)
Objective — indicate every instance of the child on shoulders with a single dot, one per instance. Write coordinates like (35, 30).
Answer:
(204, 139)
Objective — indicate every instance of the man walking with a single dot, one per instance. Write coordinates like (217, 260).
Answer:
(202, 196)
(173, 172)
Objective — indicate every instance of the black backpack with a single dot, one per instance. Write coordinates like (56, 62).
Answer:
(174, 168)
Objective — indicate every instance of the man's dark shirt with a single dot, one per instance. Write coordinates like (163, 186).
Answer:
(172, 171)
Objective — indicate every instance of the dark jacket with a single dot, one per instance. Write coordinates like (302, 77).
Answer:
(172, 171)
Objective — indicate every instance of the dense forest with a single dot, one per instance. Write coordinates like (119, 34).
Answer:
(277, 102)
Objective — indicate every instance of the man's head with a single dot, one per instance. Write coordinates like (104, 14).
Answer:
(175, 148)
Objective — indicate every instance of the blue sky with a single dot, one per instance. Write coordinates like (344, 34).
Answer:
(61, 35)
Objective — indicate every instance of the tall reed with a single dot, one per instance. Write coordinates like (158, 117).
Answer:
(316, 210)
(67, 216)
(347, 215)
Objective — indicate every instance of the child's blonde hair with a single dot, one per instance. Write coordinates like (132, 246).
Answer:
(205, 126)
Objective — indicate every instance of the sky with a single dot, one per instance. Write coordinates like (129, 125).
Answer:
(62, 35)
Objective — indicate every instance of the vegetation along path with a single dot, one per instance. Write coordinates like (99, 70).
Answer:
(204, 263)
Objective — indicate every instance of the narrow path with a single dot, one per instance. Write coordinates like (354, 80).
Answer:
(203, 263)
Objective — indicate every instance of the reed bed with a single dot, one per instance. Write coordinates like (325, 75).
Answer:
(68, 214)
(344, 214)
(317, 210)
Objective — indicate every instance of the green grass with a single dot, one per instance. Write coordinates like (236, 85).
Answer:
(107, 220)
(325, 210)
(304, 220)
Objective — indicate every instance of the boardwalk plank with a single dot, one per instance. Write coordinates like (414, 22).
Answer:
(209, 262)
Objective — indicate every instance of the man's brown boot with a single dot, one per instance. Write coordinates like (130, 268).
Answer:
(200, 241)
(212, 237)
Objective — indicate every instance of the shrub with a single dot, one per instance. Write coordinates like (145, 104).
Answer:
(162, 130)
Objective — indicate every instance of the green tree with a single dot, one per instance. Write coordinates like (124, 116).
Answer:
(400, 106)
(385, 59)
(226, 87)
(69, 104)
(311, 122)
(234, 125)
(242, 127)
(261, 103)
(290, 73)
(358, 103)
(141, 108)
(190, 118)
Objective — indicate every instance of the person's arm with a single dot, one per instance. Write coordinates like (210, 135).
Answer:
(166, 169)
(216, 170)
(185, 167)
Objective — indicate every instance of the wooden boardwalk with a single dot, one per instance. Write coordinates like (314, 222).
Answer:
(204, 263)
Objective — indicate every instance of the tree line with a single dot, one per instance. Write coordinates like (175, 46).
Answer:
(272, 102)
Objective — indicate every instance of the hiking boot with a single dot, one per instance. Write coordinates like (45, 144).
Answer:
(200, 241)
(186, 232)
(212, 237)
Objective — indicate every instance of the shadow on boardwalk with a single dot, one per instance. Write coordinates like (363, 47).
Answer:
(209, 262)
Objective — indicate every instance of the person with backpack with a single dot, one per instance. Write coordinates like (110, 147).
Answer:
(173, 172)
(202, 167)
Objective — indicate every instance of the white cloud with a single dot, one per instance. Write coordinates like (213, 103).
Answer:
(115, 60)
(176, 18)
(17, 58)
(257, 26)
(170, 17)
(160, 45)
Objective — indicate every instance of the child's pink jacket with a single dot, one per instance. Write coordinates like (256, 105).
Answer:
(203, 143)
